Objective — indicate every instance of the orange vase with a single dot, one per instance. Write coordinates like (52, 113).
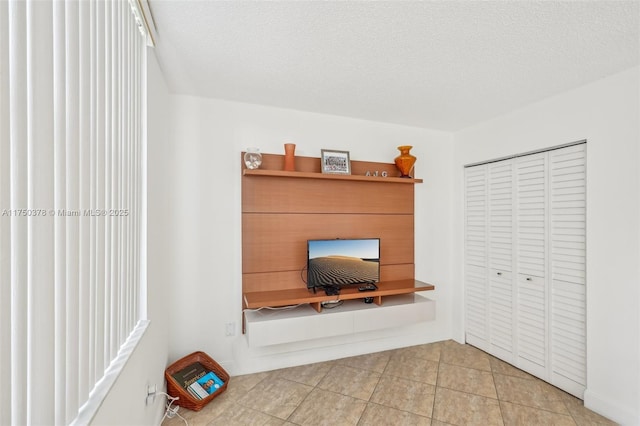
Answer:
(405, 161)
(290, 157)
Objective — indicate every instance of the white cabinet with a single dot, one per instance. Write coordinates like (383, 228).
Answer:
(525, 263)
(267, 327)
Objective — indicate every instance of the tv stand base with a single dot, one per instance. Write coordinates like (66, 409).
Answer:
(271, 327)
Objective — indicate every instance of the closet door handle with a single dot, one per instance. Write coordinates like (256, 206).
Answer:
(499, 273)
(528, 278)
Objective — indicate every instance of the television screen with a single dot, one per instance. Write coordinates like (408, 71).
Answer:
(343, 262)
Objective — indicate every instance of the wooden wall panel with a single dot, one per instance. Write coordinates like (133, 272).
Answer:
(281, 213)
(277, 194)
(278, 242)
(397, 272)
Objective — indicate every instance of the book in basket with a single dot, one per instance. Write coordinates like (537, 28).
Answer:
(210, 382)
(197, 391)
(190, 374)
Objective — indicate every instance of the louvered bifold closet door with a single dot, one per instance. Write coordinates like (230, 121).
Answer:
(531, 218)
(568, 246)
(476, 289)
(500, 203)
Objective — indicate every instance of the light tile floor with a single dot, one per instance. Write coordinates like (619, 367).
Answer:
(438, 384)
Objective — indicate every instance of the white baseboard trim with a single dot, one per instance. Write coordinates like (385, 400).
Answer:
(611, 409)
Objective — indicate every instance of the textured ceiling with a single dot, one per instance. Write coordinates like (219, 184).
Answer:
(436, 64)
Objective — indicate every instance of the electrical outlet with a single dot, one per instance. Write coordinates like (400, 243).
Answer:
(151, 394)
(230, 329)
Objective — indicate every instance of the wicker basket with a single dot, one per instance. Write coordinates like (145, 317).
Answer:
(186, 399)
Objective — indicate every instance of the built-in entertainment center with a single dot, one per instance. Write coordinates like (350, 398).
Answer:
(361, 225)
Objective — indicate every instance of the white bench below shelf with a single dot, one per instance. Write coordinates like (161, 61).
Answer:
(271, 327)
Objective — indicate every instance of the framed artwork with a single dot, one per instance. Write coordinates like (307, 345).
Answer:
(335, 162)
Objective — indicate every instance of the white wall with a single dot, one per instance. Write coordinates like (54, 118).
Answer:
(204, 187)
(126, 402)
(605, 113)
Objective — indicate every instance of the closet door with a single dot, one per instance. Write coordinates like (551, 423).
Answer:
(525, 263)
(476, 308)
(568, 254)
(489, 258)
(500, 248)
(532, 294)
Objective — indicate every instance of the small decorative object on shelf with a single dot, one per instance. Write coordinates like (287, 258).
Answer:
(376, 173)
(289, 157)
(405, 161)
(252, 158)
(335, 162)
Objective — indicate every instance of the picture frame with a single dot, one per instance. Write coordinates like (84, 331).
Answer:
(335, 162)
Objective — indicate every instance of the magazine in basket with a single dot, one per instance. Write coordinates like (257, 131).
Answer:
(198, 380)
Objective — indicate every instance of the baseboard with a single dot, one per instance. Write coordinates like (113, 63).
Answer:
(611, 409)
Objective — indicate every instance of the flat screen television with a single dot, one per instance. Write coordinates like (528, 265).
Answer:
(343, 262)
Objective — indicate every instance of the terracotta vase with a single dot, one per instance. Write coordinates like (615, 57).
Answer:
(405, 161)
(290, 157)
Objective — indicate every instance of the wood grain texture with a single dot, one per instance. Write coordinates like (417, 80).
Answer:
(276, 194)
(278, 242)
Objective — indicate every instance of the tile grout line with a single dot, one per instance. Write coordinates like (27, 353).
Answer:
(375, 388)
(541, 409)
(493, 379)
(435, 389)
(314, 387)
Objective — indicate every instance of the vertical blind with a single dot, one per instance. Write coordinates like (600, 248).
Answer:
(72, 90)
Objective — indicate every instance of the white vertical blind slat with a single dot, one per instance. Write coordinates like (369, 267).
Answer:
(93, 165)
(72, 181)
(101, 104)
(18, 197)
(84, 122)
(115, 116)
(106, 187)
(59, 193)
(5, 220)
(126, 199)
(40, 229)
(122, 335)
(132, 181)
(139, 48)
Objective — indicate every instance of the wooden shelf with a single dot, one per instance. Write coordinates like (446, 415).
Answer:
(312, 175)
(297, 296)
